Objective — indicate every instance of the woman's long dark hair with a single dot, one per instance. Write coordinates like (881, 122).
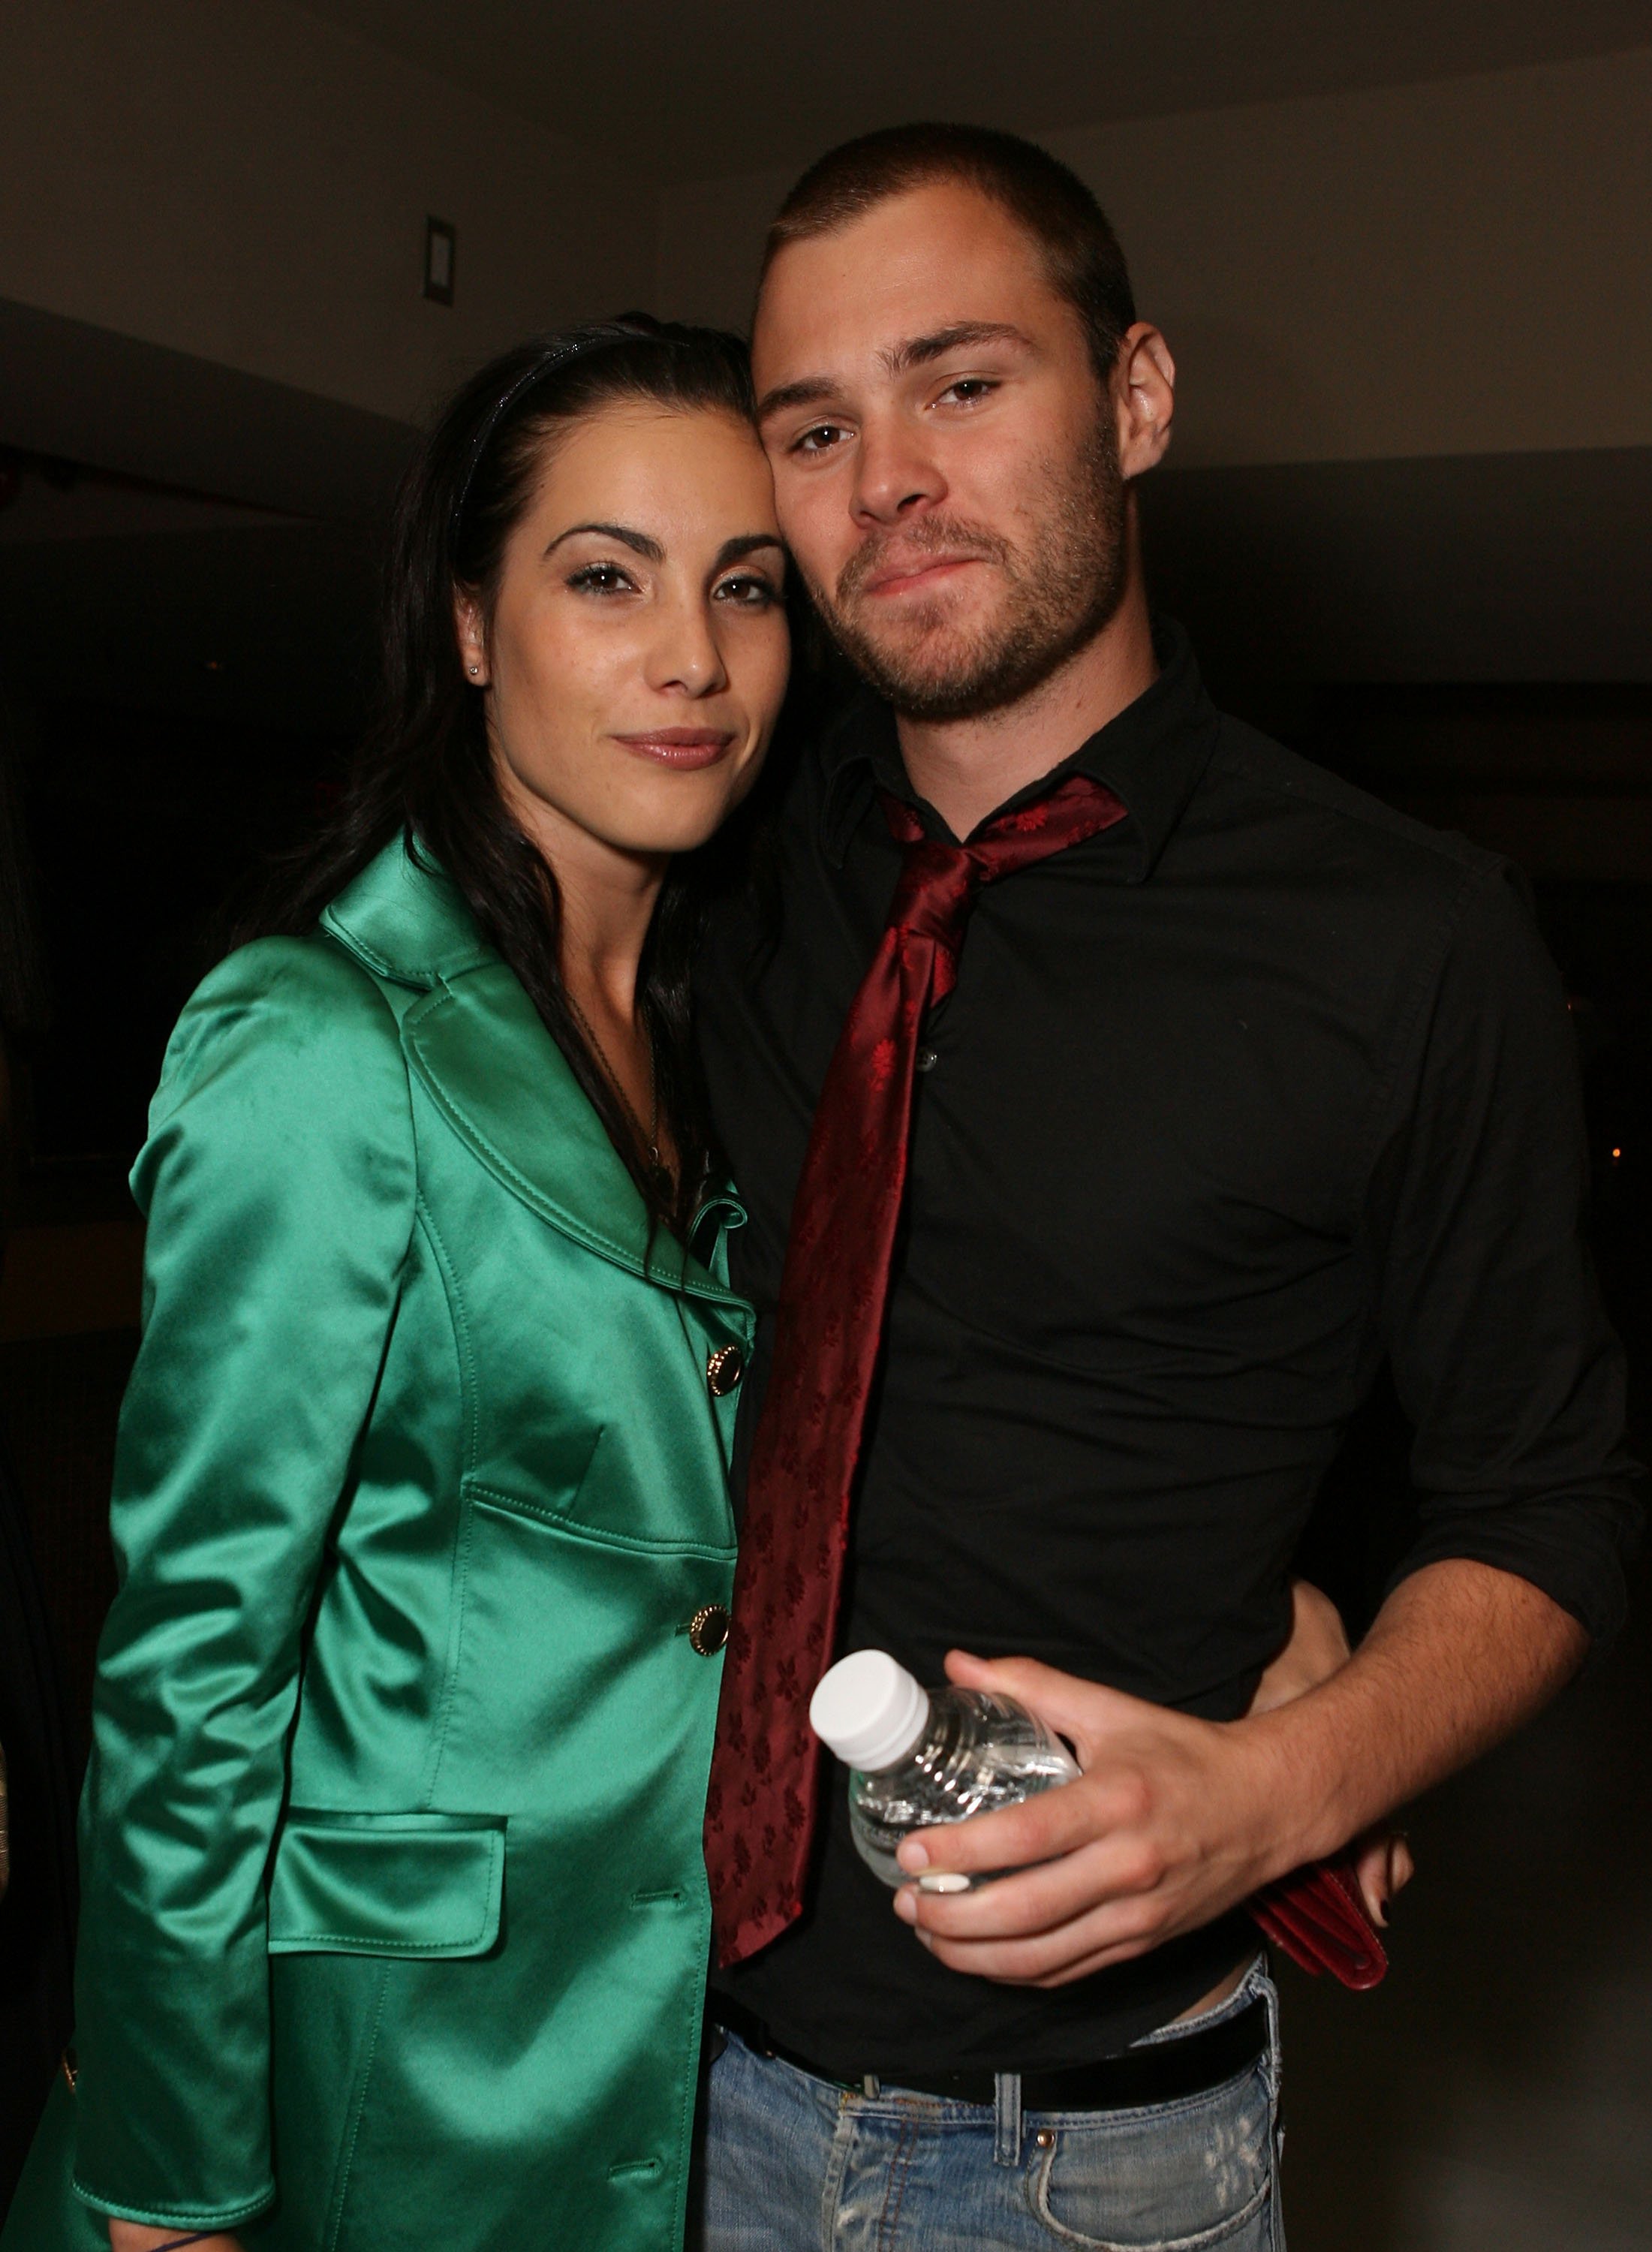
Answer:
(426, 770)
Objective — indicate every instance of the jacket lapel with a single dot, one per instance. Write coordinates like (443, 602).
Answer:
(479, 1046)
(405, 920)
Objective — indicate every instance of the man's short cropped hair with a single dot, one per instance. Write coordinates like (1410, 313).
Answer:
(1081, 253)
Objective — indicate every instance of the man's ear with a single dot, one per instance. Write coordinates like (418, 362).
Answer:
(1144, 398)
(471, 632)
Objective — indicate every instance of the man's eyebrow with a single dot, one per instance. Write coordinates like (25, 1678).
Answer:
(808, 391)
(746, 543)
(915, 351)
(918, 351)
(638, 542)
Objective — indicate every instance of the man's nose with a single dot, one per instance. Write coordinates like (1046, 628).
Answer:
(895, 477)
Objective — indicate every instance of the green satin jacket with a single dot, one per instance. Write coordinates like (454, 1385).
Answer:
(396, 1922)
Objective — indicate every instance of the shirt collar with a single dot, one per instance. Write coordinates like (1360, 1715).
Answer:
(1150, 755)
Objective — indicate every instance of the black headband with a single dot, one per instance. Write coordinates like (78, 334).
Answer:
(621, 333)
(501, 407)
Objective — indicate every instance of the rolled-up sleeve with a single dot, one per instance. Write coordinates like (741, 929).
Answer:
(1502, 1355)
(279, 1181)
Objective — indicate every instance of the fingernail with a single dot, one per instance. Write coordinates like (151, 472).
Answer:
(943, 1880)
(905, 1905)
(913, 1855)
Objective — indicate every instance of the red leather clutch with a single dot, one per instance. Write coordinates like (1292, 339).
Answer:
(1315, 1916)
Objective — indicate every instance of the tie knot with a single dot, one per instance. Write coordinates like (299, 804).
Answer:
(937, 888)
(938, 881)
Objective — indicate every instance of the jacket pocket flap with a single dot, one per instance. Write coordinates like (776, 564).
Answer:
(386, 1884)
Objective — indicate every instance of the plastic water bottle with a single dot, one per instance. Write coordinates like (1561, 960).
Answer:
(921, 1756)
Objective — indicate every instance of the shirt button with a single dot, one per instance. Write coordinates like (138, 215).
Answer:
(708, 1629)
(926, 1060)
(723, 1370)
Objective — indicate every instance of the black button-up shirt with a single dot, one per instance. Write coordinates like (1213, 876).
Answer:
(1263, 1085)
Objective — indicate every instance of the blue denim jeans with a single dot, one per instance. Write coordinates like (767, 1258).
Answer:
(792, 2164)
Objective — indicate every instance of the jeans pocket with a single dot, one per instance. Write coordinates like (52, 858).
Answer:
(1178, 2178)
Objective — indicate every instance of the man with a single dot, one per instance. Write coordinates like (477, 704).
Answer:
(1244, 1084)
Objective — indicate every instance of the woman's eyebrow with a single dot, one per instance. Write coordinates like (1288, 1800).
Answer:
(746, 543)
(638, 542)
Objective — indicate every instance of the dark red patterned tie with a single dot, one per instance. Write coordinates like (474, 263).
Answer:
(828, 1330)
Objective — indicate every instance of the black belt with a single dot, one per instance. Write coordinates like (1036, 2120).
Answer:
(1188, 2064)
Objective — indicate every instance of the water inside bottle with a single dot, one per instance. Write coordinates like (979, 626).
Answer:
(978, 1753)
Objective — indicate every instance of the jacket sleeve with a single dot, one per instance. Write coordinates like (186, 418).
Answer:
(279, 1183)
(1502, 1355)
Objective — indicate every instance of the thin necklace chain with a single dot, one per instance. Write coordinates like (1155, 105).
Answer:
(649, 1136)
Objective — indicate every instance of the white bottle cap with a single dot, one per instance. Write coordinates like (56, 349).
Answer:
(869, 1711)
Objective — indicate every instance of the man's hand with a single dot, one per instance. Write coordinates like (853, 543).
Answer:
(1174, 1820)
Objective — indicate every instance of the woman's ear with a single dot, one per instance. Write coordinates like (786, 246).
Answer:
(471, 634)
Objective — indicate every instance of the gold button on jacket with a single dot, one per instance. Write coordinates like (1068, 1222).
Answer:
(708, 1629)
(725, 1369)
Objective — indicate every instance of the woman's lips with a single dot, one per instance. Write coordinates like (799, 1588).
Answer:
(683, 747)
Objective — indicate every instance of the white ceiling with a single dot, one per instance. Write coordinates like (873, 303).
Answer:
(695, 92)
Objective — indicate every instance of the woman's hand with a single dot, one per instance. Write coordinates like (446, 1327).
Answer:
(1318, 1648)
(1384, 1865)
(138, 2236)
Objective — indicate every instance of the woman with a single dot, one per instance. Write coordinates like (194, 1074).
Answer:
(395, 1917)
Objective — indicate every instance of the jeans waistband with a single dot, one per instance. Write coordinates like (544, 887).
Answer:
(1169, 2067)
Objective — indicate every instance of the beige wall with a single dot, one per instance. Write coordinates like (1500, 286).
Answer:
(711, 237)
(1453, 268)
(1460, 267)
(237, 179)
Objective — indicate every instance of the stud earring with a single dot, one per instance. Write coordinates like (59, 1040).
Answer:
(475, 668)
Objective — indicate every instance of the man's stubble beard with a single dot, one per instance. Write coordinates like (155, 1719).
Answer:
(1059, 596)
